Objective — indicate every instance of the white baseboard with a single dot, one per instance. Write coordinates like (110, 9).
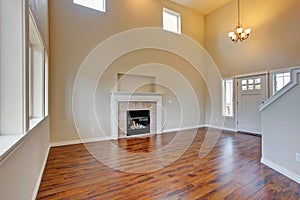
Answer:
(222, 128)
(98, 139)
(281, 170)
(64, 143)
(182, 128)
(37, 185)
(80, 141)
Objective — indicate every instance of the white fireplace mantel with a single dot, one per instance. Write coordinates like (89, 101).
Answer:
(117, 97)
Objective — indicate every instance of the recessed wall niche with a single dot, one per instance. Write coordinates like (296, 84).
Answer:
(136, 83)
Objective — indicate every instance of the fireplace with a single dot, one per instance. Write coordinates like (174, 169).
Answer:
(122, 102)
(138, 122)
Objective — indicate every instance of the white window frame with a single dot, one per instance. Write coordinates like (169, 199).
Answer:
(178, 20)
(36, 92)
(274, 84)
(92, 4)
(226, 95)
(46, 83)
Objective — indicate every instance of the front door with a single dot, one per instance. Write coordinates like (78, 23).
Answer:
(251, 93)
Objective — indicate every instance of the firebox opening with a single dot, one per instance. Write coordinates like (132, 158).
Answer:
(138, 122)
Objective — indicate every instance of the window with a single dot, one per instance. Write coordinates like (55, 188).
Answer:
(249, 84)
(280, 79)
(36, 70)
(171, 21)
(22, 74)
(93, 4)
(228, 97)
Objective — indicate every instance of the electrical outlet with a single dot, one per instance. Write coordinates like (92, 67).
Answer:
(298, 157)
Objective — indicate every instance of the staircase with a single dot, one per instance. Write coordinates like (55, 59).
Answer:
(281, 129)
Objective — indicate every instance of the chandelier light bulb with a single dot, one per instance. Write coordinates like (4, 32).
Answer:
(231, 34)
(243, 35)
(239, 30)
(234, 38)
(248, 31)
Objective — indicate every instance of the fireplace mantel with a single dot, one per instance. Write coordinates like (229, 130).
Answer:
(117, 97)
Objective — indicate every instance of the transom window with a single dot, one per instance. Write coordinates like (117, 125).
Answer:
(171, 21)
(228, 97)
(93, 4)
(280, 80)
(251, 84)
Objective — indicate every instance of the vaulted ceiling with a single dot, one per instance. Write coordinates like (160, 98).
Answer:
(202, 6)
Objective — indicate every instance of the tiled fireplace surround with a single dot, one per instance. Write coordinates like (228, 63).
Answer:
(121, 102)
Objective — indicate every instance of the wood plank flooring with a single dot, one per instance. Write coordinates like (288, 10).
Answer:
(231, 170)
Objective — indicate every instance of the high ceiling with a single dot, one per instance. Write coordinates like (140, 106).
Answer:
(202, 6)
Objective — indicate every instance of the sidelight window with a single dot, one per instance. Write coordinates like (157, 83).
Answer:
(228, 97)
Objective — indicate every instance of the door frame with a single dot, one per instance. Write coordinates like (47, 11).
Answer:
(236, 90)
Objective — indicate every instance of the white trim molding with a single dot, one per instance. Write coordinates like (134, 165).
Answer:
(79, 141)
(222, 128)
(65, 143)
(281, 169)
(37, 185)
(183, 128)
(99, 139)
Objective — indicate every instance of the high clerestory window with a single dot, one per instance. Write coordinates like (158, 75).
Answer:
(171, 21)
(93, 4)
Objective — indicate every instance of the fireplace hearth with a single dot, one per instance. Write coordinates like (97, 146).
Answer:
(138, 122)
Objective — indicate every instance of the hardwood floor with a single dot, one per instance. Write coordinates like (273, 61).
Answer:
(231, 170)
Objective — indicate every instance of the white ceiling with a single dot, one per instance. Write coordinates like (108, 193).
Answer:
(202, 6)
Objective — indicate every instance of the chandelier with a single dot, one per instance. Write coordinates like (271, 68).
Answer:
(239, 33)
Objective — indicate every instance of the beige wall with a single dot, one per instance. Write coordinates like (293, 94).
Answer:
(274, 42)
(75, 31)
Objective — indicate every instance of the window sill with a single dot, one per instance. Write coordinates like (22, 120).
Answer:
(8, 143)
(34, 121)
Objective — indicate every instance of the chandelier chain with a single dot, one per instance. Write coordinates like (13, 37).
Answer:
(239, 12)
(239, 33)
